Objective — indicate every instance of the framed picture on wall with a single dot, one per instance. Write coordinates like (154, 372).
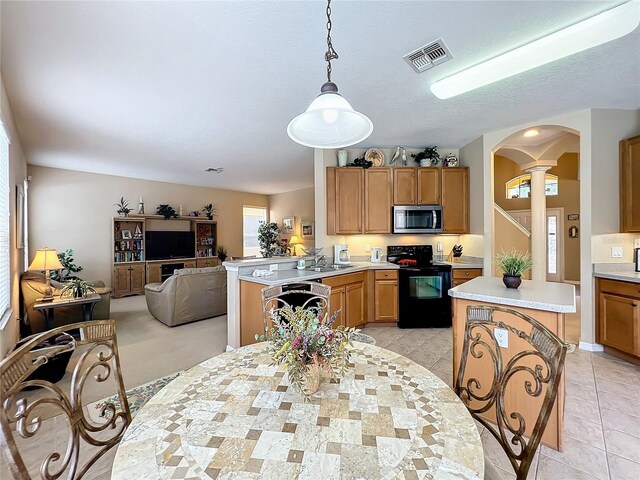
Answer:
(307, 228)
(288, 224)
(126, 235)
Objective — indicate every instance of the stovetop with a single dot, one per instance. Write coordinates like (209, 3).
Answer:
(410, 255)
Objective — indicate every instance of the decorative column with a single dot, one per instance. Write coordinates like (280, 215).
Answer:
(538, 223)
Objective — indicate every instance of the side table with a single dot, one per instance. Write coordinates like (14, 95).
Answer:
(87, 303)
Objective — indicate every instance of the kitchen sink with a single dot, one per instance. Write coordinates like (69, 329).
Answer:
(331, 268)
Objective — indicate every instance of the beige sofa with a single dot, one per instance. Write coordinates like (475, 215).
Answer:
(188, 295)
(32, 285)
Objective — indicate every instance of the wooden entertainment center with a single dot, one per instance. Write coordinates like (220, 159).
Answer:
(131, 269)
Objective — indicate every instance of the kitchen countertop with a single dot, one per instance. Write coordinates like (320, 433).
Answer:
(547, 296)
(282, 277)
(623, 272)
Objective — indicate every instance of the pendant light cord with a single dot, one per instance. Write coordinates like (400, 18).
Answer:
(331, 53)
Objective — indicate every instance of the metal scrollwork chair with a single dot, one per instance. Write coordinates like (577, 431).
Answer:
(21, 416)
(305, 295)
(536, 369)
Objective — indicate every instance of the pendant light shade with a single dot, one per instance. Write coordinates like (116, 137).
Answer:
(329, 122)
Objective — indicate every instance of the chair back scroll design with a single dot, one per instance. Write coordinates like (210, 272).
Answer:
(275, 298)
(548, 352)
(21, 415)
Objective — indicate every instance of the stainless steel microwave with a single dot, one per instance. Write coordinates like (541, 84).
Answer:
(417, 219)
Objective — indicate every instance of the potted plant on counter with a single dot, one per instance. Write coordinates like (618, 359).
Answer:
(513, 264)
(222, 253)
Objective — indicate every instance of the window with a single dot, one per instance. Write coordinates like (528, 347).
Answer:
(5, 302)
(251, 218)
(520, 187)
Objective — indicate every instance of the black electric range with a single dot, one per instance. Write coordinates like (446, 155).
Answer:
(423, 286)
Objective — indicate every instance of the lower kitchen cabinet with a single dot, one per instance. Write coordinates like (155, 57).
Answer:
(348, 294)
(128, 279)
(462, 275)
(618, 318)
(385, 292)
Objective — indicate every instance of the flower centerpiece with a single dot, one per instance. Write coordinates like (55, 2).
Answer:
(305, 342)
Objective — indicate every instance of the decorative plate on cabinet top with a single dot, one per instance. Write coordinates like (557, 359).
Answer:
(376, 156)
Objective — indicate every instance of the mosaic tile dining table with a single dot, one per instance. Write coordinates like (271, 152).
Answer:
(236, 417)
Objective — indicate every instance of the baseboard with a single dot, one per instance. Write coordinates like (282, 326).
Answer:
(591, 347)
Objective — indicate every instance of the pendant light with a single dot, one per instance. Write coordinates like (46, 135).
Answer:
(330, 121)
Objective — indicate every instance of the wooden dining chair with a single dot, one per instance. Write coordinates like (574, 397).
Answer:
(21, 415)
(533, 371)
(305, 295)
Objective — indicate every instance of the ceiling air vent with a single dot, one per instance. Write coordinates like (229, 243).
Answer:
(428, 56)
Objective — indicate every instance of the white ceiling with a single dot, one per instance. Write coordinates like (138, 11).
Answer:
(163, 90)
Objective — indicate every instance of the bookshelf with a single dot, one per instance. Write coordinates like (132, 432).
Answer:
(128, 240)
(206, 242)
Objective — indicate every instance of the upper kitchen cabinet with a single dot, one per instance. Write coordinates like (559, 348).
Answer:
(378, 200)
(455, 200)
(630, 185)
(416, 186)
(404, 186)
(358, 200)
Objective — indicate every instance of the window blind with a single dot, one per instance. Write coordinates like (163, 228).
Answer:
(5, 302)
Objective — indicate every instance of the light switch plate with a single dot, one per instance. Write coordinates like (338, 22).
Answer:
(502, 337)
(636, 243)
(367, 248)
(273, 267)
(616, 252)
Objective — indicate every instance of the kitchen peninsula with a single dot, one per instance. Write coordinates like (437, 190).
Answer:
(355, 289)
(547, 303)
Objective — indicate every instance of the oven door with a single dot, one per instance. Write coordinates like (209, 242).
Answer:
(424, 298)
(422, 219)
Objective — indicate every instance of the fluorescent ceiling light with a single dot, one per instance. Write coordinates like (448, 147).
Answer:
(531, 133)
(602, 28)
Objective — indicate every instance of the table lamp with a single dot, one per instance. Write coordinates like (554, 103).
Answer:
(293, 241)
(46, 259)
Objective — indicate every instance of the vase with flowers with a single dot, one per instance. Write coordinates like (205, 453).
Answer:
(305, 341)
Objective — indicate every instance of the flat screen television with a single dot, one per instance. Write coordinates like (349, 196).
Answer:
(161, 245)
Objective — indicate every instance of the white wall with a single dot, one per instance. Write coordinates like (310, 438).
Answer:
(9, 333)
(73, 210)
(299, 204)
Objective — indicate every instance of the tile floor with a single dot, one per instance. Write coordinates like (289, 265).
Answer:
(602, 411)
(602, 415)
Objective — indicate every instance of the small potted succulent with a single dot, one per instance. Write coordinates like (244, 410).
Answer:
(209, 211)
(513, 265)
(123, 207)
(77, 288)
(222, 253)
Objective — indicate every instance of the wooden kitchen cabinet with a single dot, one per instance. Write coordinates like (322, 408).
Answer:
(455, 200)
(618, 318)
(128, 279)
(358, 200)
(630, 185)
(348, 292)
(344, 200)
(385, 293)
(428, 185)
(378, 200)
(404, 186)
(462, 275)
